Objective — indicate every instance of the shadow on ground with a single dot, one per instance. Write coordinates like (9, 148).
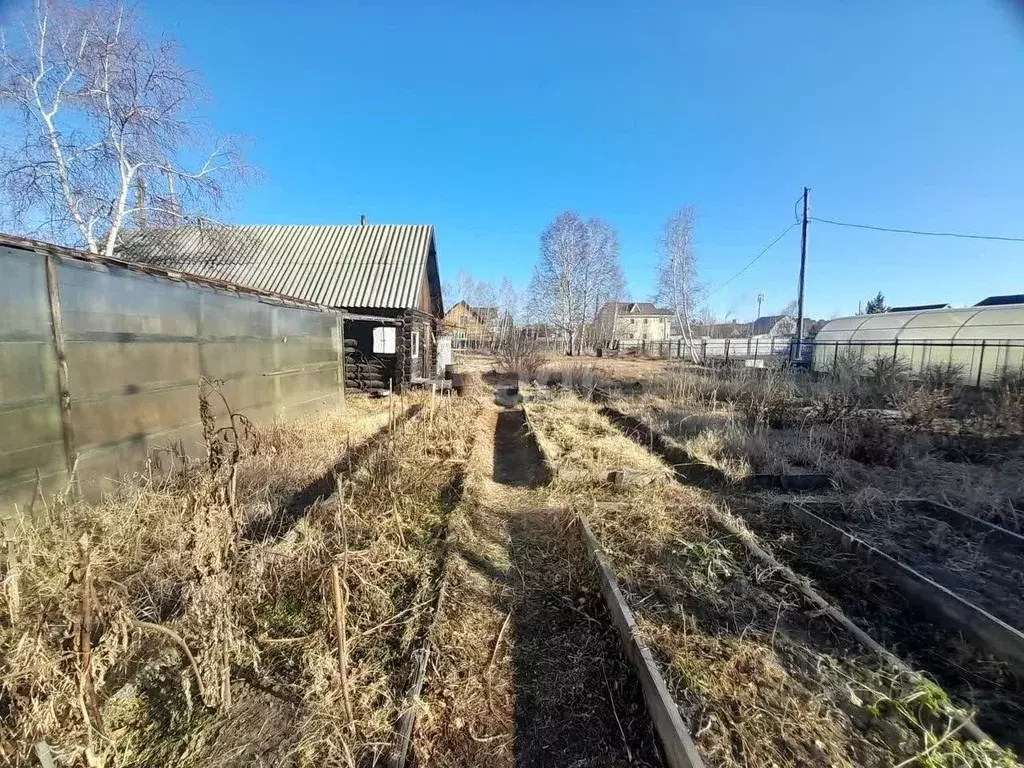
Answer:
(276, 525)
(576, 700)
(517, 461)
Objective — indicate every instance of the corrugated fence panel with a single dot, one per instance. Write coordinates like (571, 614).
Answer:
(136, 346)
(30, 436)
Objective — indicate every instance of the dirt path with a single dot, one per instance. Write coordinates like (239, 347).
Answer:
(527, 671)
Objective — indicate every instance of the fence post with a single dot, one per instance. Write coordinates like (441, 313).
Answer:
(63, 389)
(757, 345)
(340, 325)
(835, 362)
(895, 349)
(981, 363)
(727, 351)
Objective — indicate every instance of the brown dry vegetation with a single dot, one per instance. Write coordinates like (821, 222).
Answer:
(233, 563)
(762, 679)
(557, 366)
(873, 430)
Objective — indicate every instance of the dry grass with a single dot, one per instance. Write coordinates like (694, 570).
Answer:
(168, 566)
(747, 424)
(578, 438)
(393, 529)
(762, 681)
(975, 678)
(554, 368)
(625, 368)
(466, 716)
(297, 453)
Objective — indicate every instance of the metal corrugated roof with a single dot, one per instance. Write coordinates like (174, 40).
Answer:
(642, 308)
(153, 270)
(998, 301)
(353, 266)
(918, 307)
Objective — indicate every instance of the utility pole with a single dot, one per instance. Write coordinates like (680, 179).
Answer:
(753, 325)
(795, 349)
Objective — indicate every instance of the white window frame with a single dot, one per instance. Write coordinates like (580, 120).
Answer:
(384, 340)
(415, 343)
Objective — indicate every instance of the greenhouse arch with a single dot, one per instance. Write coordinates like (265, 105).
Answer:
(984, 343)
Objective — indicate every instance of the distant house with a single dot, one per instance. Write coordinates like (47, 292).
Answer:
(1001, 301)
(811, 327)
(767, 326)
(466, 323)
(385, 275)
(633, 321)
(917, 307)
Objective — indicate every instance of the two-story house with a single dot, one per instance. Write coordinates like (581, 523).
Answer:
(634, 321)
(466, 323)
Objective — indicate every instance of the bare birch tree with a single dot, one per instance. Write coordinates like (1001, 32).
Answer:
(604, 279)
(704, 321)
(578, 271)
(105, 126)
(677, 285)
(556, 291)
(510, 307)
(476, 293)
(449, 293)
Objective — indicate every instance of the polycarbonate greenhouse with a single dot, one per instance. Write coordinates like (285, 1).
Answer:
(985, 343)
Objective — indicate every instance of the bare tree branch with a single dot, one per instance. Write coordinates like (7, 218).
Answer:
(100, 106)
(555, 291)
(605, 281)
(577, 272)
(678, 287)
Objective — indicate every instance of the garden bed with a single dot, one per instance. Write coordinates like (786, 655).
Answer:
(760, 676)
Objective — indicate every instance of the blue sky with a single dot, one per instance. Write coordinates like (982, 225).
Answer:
(486, 119)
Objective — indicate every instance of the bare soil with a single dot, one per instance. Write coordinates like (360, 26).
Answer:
(761, 678)
(954, 556)
(973, 679)
(528, 671)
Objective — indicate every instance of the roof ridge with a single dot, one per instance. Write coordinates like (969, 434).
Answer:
(262, 226)
(341, 265)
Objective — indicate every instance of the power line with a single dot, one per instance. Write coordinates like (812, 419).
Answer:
(960, 235)
(796, 215)
(750, 263)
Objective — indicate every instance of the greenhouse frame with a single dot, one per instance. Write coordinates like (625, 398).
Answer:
(985, 343)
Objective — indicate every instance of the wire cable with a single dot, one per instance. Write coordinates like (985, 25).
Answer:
(751, 263)
(960, 235)
(796, 214)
